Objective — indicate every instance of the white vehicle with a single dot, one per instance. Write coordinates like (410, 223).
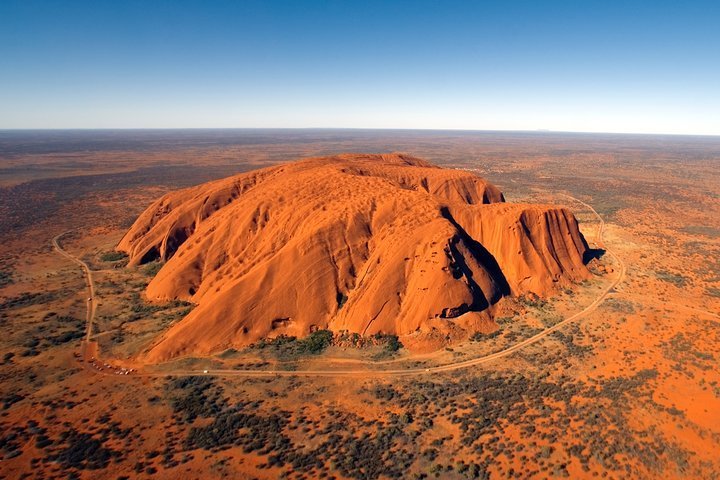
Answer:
(205, 371)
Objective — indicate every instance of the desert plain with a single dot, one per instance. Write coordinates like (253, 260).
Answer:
(613, 374)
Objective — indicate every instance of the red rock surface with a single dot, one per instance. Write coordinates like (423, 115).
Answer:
(365, 243)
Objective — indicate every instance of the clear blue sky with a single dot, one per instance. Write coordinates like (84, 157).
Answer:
(613, 66)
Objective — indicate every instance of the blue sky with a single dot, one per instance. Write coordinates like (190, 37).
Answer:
(610, 66)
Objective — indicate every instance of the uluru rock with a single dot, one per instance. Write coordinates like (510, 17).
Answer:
(364, 243)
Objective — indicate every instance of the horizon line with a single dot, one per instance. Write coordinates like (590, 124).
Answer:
(539, 131)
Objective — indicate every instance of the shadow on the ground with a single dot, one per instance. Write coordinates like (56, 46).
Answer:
(593, 253)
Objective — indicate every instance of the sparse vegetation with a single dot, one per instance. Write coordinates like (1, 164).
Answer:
(391, 344)
(56, 330)
(532, 301)
(674, 278)
(713, 291)
(6, 278)
(315, 343)
(82, 451)
(151, 269)
(27, 299)
(288, 346)
(194, 397)
(113, 256)
(480, 336)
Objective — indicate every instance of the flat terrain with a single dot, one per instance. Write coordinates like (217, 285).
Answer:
(615, 378)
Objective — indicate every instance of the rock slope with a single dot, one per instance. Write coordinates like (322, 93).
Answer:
(364, 243)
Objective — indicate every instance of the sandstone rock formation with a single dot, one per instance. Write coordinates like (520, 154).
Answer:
(365, 243)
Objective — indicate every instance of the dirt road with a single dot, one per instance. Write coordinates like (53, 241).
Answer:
(91, 301)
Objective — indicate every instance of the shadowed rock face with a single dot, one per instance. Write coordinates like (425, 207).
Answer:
(365, 243)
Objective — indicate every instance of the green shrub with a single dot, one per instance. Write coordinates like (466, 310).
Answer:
(112, 256)
(83, 452)
(674, 278)
(316, 342)
(151, 269)
(5, 278)
(392, 343)
(288, 346)
(27, 299)
(193, 397)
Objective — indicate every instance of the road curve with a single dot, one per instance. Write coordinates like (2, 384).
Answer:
(390, 372)
(91, 302)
